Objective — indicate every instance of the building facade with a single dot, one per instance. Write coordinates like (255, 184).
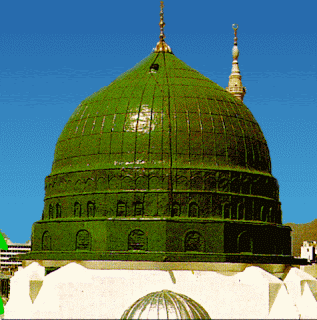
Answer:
(8, 262)
(308, 250)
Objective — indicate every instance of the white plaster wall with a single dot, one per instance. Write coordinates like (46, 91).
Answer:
(76, 292)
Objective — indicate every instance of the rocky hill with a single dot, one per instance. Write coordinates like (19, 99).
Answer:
(302, 232)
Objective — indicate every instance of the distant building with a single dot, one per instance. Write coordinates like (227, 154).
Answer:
(8, 263)
(308, 250)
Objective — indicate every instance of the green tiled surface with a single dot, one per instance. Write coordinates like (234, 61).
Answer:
(175, 117)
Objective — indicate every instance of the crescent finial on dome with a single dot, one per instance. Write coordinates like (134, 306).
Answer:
(162, 46)
(235, 84)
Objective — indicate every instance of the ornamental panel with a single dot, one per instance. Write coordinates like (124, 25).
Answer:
(137, 240)
(194, 241)
(83, 240)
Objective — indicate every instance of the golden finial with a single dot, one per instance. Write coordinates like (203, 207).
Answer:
(235, 84)
(235, 28)
(161, 45)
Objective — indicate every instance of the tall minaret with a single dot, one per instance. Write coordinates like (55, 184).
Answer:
(162, 46)
(235, 86)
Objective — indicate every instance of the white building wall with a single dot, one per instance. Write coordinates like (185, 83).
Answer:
(308, 250)
(7, 256)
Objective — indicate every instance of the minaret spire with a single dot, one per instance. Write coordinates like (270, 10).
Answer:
(235, 84)
(161, 45)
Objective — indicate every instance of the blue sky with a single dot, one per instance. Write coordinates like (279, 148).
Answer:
(53, 54)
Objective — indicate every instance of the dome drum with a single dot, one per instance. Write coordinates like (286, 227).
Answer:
(214, 194)
(164, 239)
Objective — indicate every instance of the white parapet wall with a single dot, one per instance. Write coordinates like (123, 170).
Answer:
(75, 292)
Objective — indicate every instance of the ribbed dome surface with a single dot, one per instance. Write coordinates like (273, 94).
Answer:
(161, 114)
(165, 304)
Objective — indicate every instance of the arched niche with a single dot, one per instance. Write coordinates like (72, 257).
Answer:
(137, 240)
(102, 183)
(91, 209)
(83, 240)
(121, 209)
(58, 210)
(138, 209)
(182, 183)
(89, 184)
(241, 211)
(249, 209)
(196, 183)
(46, 241)
(223, 179)
(77, 210)
(193, 210)
(141, 183)
(234, 211)
(270, 215)
(257, 211)
(194, 241)
(176, 209)
(245, 243)
(115, 183)
(128, 183)
(235, 182)
(226, 210)
(155, 183)
(78, 185)
(264, 213)
(246, 184)
(210, 183)
(51, 212)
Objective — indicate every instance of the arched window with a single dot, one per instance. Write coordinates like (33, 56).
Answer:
(77, 210)
(241, 210)
(234, 211)
(193, 211)
(263, 213)
(83, 240)
(269, 218)
(175, 210)
(137, 240)
(273, 215)
(245, 243)
(46, 241)
(58, 211)
(194, 241)
(226, 210)
(121, 209)
(51, 212)
(91, 209)
(138, 209)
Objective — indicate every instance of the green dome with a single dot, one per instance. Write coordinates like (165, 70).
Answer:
(161, 165)
(161, 113)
